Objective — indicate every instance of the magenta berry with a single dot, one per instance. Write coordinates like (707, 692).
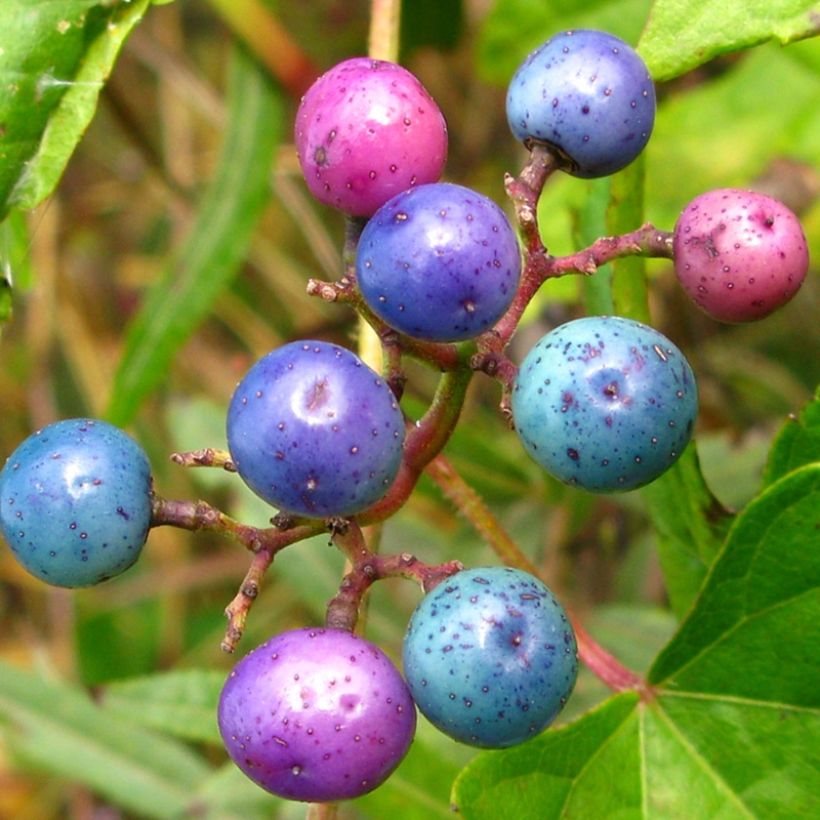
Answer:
(740, 255)
(439, 262)
(366, 130)
(314, 431)
(317, 715)
(588, 94)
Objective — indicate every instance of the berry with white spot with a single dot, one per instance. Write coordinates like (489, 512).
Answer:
(314, 431)
(366, 130)
(317, 715)
(605, 403)
(490, 656)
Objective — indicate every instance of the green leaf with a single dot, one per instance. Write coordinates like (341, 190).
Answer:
(513, 28)
(682, 34)
(691, 525)
(630, 294)
(180, 703)
(216, 246)
(797, 443)
(586, 769)
(54, 727)
(759, 610)
(54, 60)
(729, 728)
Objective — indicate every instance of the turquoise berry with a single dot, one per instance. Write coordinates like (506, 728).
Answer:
(75, 502)
(490, 657)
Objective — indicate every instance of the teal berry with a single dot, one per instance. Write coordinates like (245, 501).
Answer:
(490, 657)
(588, 94)
(605, 403)
(75, 502)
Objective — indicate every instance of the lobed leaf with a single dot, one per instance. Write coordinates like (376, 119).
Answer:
(731, 725)
(797, 443)
(54, 60)
(683, 34)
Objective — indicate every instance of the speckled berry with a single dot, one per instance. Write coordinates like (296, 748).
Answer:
(740, 255)
(490, 657)
(366, 130)
(439, 262)
(588, 94)
(315, 431)
(317, 715)
(605, 403)
(75, 502)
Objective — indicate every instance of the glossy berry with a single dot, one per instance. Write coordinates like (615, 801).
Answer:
(366, 130)
(739, 255)
(317, 715)
(588, 94)
(490, 657)
(75, 502)
(314, 431)
(605, 403)
(439, 262)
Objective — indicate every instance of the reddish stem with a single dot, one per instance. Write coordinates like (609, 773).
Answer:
(470, 504)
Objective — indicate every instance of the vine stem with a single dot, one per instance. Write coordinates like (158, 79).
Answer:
(470, 504)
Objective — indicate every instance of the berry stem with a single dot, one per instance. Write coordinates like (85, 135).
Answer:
(207, 457)
(425, 439)
(343, 609)
(383, 38)
(237, 610)
(470, 504)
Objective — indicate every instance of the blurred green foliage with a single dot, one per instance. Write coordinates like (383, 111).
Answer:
(107, 694)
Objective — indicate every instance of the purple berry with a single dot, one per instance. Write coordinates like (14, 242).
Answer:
(75, 502)
(317, 715)
(740, 255)
(490, 657)
(588, 94)
(366, 130)
(439, 262)
(315, 431)
(605, 403)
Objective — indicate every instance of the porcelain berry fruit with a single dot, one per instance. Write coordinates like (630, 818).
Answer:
(317, 715)
(739, 255)
(490, 657)
(366, 130)
(439, 262)
(315, 431)
(588, 94)
(605, 403)
(75, 502)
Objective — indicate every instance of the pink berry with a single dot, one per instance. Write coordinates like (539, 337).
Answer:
(367, 130)
(740, 255)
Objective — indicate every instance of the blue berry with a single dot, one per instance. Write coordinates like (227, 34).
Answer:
(315, 431)
(490, 657)
(588, 94)
(316, 715)
(439, 262)
(75, 502)
(605, 403)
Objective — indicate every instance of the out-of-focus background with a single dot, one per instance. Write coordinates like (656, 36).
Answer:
(120, 218)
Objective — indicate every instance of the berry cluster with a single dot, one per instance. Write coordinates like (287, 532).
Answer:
(603, 403)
